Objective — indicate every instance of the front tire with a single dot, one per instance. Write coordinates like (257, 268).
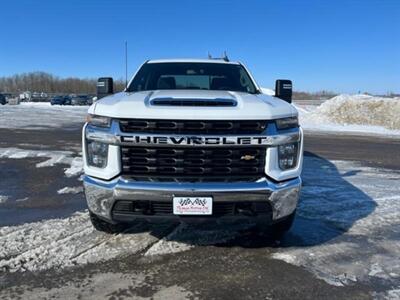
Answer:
(104, 226)
(277, 230)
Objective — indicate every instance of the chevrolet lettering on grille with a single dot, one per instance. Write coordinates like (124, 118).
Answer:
(194, 140)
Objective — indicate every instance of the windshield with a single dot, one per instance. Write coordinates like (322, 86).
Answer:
(192, 76)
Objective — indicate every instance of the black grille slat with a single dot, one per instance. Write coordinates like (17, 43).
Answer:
(193, 127)
(202, 162)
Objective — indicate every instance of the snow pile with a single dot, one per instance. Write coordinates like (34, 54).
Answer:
(360, 113)
(3, 199)
(70, 190)
(41, 116)
(54, 157)
(76, 167)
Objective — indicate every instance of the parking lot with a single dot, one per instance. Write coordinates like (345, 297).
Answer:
(344, 243)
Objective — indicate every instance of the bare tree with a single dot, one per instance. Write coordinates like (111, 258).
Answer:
(45, 82)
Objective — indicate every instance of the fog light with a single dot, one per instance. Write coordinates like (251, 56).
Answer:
(287, 156)
(97, 154)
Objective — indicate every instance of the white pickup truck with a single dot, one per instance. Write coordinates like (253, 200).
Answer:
(192, 140)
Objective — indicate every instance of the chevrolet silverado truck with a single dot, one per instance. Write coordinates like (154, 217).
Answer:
(192, 140)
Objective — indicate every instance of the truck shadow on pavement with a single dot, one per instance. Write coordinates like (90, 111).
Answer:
(329, 204)
(328, 207)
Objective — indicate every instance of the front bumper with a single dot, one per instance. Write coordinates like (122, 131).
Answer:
(102, 195)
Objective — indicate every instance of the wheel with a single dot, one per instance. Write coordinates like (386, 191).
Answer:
(104, 226)
(279, 229)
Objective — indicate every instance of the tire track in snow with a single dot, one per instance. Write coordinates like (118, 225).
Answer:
(61, 243)
(18, 239)
(27, 249)
(105, 240)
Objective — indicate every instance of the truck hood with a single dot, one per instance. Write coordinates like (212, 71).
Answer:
(139, 105)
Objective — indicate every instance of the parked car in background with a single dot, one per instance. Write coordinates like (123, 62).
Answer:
(39, 97)
(57, 101)
(7, 95)
(25, 96)
(67, 100)
(3, 99)
(80, 100)
(34, 97)
(90, 99)
(61, 100)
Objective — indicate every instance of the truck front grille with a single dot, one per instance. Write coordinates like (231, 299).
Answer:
(193, 126)
(204, 163)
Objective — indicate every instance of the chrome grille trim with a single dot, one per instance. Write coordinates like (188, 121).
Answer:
(114, 136)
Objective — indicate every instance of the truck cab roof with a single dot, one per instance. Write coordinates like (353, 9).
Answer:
(193, 60)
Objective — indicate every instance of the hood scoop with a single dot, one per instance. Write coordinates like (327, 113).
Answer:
(225, 102)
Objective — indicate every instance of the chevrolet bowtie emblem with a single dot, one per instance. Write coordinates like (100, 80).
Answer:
(248, 157)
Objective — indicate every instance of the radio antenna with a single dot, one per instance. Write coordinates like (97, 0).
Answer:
(126, 64)
(225, 57)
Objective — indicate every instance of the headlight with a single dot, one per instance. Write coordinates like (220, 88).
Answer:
(99, 121)
(97, 154)
(287, 155)
(287, 123)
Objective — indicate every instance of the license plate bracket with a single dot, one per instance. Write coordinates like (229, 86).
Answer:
(193, 206)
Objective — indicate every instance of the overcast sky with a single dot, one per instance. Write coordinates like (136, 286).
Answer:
(342, 46)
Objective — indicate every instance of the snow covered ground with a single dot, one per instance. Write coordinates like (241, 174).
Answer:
(349, 223)
(41, 116)
(347, 230)
(345, 113)
(353, 113)
(66, 242)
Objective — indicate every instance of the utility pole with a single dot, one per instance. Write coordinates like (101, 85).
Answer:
(126, 64)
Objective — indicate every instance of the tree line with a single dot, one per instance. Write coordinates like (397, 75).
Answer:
(321, 95)
(48, 83)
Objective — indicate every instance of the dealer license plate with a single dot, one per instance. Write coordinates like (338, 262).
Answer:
(192, 205)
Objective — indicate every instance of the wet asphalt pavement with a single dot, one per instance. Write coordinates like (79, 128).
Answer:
(240, 268)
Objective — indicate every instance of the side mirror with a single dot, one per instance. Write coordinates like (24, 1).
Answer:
(283, 90)
(105, 87)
